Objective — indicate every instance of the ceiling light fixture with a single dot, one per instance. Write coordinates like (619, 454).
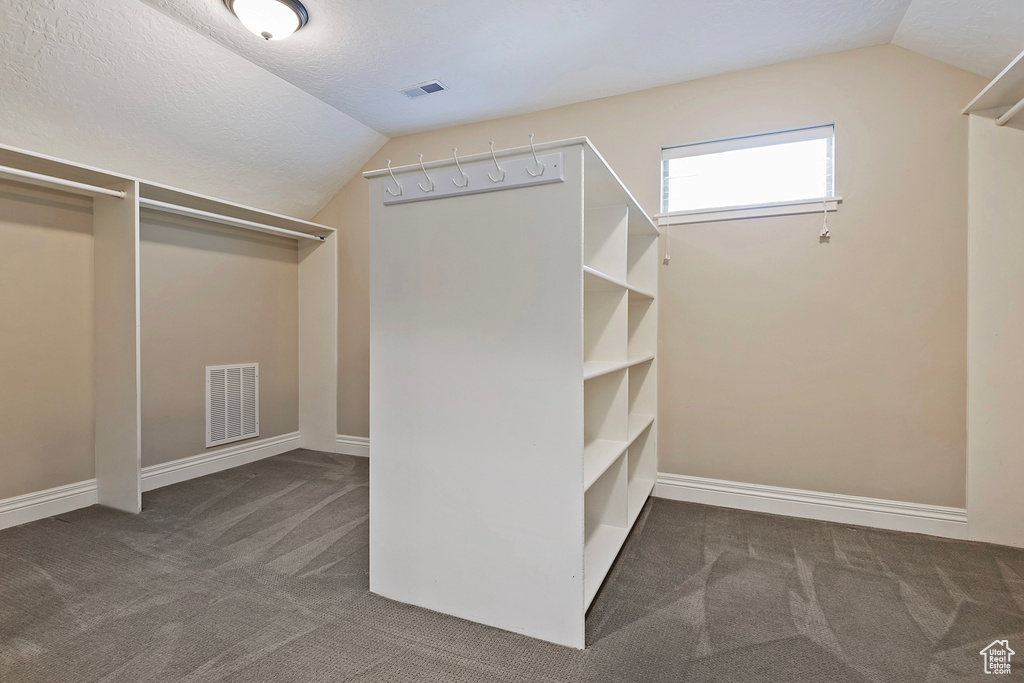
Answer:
(270, 19)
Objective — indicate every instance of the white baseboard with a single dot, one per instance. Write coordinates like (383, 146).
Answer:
(56, 501)
(41, 504)
(176, 471)
(830, 507)
(353, 445)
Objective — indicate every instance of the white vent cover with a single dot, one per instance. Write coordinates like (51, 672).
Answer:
(232, 403)
(421, 89)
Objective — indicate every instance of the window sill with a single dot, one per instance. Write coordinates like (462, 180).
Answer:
(731, 213)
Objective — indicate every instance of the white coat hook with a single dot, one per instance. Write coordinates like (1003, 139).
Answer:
(429, 179)
(500, 169)
(465, 178)
(397, 184)
(535, 160)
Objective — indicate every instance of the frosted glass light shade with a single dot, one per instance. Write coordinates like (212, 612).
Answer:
(270, 19)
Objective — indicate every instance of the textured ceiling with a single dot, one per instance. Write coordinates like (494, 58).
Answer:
(176, 91)
(502, 57)
(116, 84)
(980, 36)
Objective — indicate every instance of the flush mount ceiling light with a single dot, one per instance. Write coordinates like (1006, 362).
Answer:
(270, 19)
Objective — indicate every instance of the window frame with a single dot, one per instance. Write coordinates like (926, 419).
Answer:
(758, 210)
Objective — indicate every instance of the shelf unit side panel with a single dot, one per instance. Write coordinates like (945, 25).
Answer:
(476, 503)
(642, 457)
(117, 363)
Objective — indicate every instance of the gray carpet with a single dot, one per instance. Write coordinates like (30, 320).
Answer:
(260, 574)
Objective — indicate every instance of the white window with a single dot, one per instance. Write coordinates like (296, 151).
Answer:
(758, 175)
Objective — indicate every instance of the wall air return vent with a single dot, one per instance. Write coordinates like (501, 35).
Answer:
(232, 403)
(421, 89)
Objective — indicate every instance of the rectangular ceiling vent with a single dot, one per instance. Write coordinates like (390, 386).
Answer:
(232, 403)
(421, 89)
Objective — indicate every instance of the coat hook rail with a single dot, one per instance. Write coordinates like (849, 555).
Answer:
(455, 176)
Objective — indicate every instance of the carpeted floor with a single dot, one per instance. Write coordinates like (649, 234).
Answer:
(260, 574)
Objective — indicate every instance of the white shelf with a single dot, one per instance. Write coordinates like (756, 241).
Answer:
(596, 281)
(1004, 90)
(598, 456)
(637, 425)
(600, 551)
(597, 368)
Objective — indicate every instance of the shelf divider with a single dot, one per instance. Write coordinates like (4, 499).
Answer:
(596, 280)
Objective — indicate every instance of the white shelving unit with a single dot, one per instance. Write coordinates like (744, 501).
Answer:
(513, 387)
(118, 201)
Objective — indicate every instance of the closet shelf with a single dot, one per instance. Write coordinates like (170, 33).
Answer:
(29, 178)
(188, 212)
(638, 424)
(595, 280)
(600, 551)
(1004, 90)
(600, 454)
(597, 368)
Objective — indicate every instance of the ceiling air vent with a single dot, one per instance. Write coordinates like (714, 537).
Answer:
(421, 89)
(232, 403)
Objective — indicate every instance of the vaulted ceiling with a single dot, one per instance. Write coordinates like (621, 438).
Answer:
(177, 91)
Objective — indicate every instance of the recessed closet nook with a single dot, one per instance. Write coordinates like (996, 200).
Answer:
(110, 275)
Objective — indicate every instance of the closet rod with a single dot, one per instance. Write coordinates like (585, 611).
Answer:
(225, 220)
(31, 178)
(1011, 112)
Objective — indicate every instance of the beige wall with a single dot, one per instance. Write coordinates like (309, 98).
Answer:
(213, 297)
(46, 340)
(837, 367)
(996, 333)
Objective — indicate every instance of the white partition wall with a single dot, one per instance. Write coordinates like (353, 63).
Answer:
(118, 392)
(512, 391)
(995, 431)
(318, 343)
(995, 320)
